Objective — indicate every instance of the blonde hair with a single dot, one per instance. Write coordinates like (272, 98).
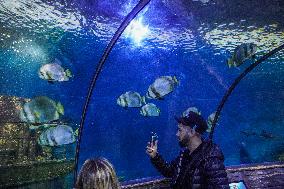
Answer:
(97, 174)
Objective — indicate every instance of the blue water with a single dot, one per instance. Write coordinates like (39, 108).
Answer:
(190, 41)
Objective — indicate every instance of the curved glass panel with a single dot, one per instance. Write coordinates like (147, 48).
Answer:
(187, 40)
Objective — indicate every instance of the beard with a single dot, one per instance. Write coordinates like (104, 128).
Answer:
(184, 142)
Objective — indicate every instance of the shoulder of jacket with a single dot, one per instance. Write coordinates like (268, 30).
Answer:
(213, 150)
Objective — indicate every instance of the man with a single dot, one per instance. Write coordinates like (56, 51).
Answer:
(200, 164)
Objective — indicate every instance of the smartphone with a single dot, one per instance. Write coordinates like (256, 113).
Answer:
(154, 137)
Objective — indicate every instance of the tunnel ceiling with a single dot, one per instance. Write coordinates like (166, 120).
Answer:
(191, 39)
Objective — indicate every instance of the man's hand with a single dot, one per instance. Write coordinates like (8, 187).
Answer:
(152, 148)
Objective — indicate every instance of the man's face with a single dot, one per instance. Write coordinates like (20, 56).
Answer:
(183, 135)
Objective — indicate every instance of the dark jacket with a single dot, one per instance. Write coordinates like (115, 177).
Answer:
(202, 169)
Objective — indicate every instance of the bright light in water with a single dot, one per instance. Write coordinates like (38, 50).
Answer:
(137, 31)
(26, 48)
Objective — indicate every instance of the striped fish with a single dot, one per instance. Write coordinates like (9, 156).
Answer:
(161, 87)
(242, 53)
(41, 109)
(54, 72)
(130, 99)
(57, 136)
(150, 109)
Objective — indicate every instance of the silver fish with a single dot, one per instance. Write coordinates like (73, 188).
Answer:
(202, 1)
(242, 53)
(57, 136)
(150, 109)
(41, 109)
(54, 72)
(130, 99)
(161, 87)
(191, 109)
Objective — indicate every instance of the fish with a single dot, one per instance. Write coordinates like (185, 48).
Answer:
(161, 87)
(191, 109)
(263, 134)
(281, 157)
(56, 136)
(248, 133)
(53, 72)
(267, 135)
(131, 99)
(41, 110)
(210, 120)
(241, 53)
(202, 1)
(149, 110)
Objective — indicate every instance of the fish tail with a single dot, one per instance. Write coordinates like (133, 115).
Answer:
(68, 73)
(159, 111)
(142, 112)
(76, 132)
(57, 114)
(175, 79)
(143, 99)
(60, 108)
(230, 62)
(209, 129)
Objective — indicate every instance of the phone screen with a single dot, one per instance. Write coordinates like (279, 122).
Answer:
(154, 137)
(238, 185)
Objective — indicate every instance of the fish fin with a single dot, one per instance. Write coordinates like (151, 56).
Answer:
(141, 112)
(76, 132)
(209, 129)
(68, 73)
(160, 98)
(60, 108)
(230, 62)
(143, 99)
(175, 80)
(159, 111)
(57, 114)
(50, 81)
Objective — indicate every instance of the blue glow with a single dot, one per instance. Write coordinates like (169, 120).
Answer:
(137, 31)
(239, 185)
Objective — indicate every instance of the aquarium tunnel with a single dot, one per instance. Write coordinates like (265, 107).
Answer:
(96, 78)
